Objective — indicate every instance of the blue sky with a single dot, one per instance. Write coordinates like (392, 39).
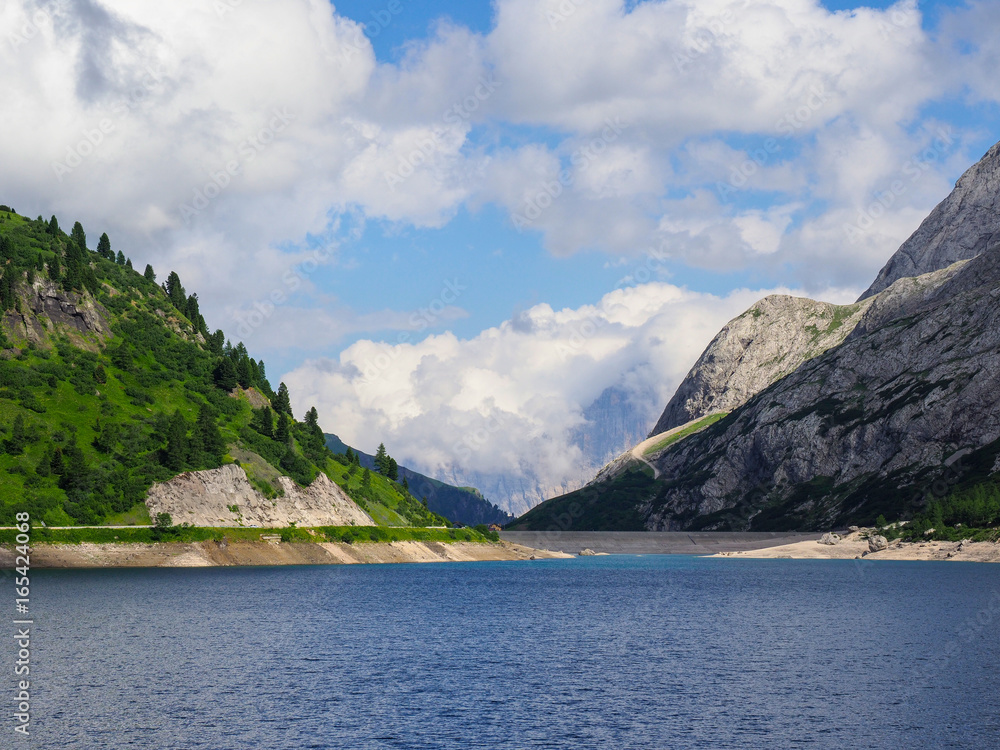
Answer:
(505, 269)
(517, 205)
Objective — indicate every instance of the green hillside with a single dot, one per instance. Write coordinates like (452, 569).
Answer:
(110, 382)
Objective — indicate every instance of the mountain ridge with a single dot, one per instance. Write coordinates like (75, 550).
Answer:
(900, 395)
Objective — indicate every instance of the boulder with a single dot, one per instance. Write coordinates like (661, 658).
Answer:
(877, 543)
(830, 538)
(587, 553)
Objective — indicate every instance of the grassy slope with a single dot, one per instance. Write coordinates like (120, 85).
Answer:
(681, 434)
(153, 366)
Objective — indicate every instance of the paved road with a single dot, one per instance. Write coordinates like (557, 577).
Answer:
(655, 542)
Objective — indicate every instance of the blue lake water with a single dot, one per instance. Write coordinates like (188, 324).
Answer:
(607, 652)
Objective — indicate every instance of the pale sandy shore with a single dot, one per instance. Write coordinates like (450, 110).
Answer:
(853, 546)
(212, 554)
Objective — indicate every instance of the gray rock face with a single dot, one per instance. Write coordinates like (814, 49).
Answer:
(208, 498)
(961, 227)
(764, 344)
(829, 539)
(48, 308)
(875, 419)
(614, 423)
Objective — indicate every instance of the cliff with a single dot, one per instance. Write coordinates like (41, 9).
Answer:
(225, 497)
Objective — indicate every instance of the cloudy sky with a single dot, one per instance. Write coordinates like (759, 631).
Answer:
(452, 225)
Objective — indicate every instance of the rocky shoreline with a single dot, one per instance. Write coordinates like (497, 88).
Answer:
(865, 544)
(221, 554)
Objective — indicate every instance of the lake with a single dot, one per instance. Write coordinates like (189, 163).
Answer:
(602, 652)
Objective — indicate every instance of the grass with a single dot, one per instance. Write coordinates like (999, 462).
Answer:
(681, 434)
(137, 515)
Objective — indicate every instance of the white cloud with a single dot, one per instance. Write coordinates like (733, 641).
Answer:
(501, 402)
(190, 88)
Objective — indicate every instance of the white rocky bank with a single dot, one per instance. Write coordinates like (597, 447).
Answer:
(207, 498)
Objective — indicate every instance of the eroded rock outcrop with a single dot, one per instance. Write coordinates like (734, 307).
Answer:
(48, 308)
(225, 497)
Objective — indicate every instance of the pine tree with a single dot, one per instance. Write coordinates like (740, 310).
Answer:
(282, 434)
(18, 437)
(381, 460)
(209, 434)
(78, 236)
(406, 484)
(7, 295)
(263, 421)
(55, 272)
(104, 247)
(120, 258)
(349, 455)
(225, 375)
(149, 274)
(366, 480)
(392, 469)
(216, 342)
(244, 376)
(176, 449)
(175, 291)
(57, 466)
(282, 403)
(128, 264)
(53, 227)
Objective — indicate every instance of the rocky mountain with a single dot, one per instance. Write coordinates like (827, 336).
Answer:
(764, 344)
(832, 415)
(961, 227)
(614, 422)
